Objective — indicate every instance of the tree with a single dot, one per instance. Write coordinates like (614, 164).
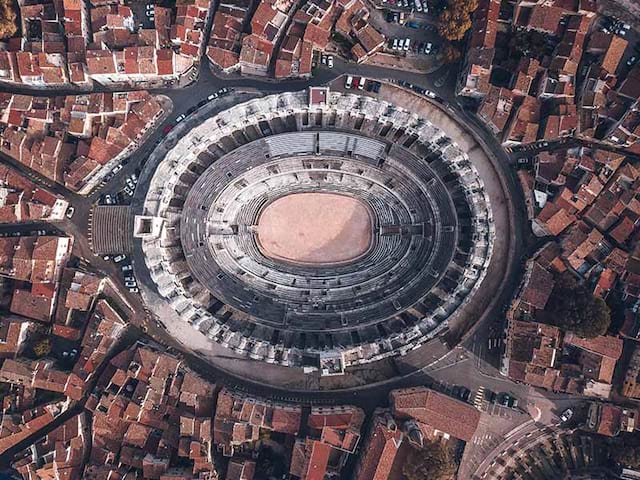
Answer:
(42, 348)
(432, 462)
(452, 25)
(450, 53)
(467, 6)
(8, 26)
(628, 452)
(454, 22)
(573, 307)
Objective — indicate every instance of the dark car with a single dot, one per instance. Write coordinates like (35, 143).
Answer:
(505, 399)
(490, 396)
(465, 394)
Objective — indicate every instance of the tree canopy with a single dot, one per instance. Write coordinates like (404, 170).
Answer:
(450, 53)
(8, 26)
(573, 307)
(432, 462)
(454, 22)
(628, 452)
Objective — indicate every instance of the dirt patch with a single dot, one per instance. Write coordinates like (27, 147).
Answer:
(315, 228)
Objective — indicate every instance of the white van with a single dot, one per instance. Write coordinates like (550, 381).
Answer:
(349, 82)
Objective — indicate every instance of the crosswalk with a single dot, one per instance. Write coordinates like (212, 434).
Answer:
(477, 400)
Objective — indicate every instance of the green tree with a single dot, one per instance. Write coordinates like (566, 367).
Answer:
(573, 307)
(432, 462)
(8, 26)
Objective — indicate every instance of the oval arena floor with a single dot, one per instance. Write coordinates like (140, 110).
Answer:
(315, 228)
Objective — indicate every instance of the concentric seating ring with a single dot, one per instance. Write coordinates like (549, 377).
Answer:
(431, 229)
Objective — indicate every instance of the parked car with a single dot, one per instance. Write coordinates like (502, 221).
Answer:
(213, 96)
(566, 415)
(129, 278)
(632, 61)
(119, 258)
(330, 61)
(128, 191)
(348, 82)
(134, 290)
(116, 169)
(394, 45)
(180, 118)
(361, 83)
(407, 44)
(130, 284)
(376, 87)
(490, 396)
(127, 268)
(106, 258)
(70, 212)
(430, 94)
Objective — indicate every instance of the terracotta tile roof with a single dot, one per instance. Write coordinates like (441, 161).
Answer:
(604, 345)
(609, 421)
(380, 451)
(538, 287)
(439, 411)
(614, 54)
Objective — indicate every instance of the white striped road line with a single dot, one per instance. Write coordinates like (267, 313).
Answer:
(477, 400)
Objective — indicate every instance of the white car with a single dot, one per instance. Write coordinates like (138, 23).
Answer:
(348, 82)
(128, 191)
(428, 48)
(566, 415)
(116, 169)
(407, 44)
(126, 268)
(213, 96)
(395, 44)
(429, 94)
(323, 59)
(130, 284)
(134, 290)
(330, 61)
(180, 118)
(129, 279)
(119, 258)
(361, 83)
(70, 212)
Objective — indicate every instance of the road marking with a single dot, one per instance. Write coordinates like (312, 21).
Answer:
(477, 400)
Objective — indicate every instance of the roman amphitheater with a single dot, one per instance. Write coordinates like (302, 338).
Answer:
(316, 229)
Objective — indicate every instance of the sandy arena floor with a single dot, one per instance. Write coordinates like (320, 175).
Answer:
(315, 228)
